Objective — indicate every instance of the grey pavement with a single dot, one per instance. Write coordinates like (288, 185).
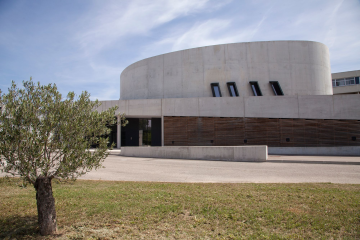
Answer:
(278, 169)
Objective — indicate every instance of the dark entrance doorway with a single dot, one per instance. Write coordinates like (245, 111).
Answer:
(141, 132)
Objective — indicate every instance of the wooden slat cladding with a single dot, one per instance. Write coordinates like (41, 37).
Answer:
(326, 133)
(353, 131)
(310, 132)
(200, 131)
(215, 131)
(207, 131)
(272, 132)
(223, 131)
(174, 128)
(229, 131)
(193, 132)
(168, 130)
(256, 131)
(341, 133)
(298, 138)
(286, 132)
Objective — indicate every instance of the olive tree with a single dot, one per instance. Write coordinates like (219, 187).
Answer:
(43, 136)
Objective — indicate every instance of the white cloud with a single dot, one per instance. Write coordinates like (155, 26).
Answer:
(201, 34)
(106, 93)
(114, 21)
(333, 23)
(209, 32)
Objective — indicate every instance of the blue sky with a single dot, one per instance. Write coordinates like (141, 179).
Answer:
(84, 44)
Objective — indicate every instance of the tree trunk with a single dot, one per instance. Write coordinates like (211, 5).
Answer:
(45, 206)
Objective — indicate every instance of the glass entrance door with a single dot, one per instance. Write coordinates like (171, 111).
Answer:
(145, 132)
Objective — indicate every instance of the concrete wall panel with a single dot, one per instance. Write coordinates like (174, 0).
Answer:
(316, 55)
(238, 153)
(212, 153)
(318, 86)
(193, 73)
(347, 106)
(221, 107)
(173, 75)
(236, 69)
(123, 106)
(144, 107)
(299, 51)
(302, 68)
(281, 72)
(306, 107)
(214, 68)
(248, 153)
(155, 77)
(257, 52)
(278, 52)
(301, 79)
(180, 107)
(137, 83)
(272, 107)
(260, 73)
(316, 107)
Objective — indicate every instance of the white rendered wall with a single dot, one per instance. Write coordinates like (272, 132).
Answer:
(301, 68)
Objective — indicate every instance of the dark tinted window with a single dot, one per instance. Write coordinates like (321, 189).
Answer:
(232, 89)
(216, 90)
(255, 88)
(276, 88)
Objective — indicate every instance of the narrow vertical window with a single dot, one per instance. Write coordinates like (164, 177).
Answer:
(216, 90)
(276, 88)
(256, 89)
(232, 89)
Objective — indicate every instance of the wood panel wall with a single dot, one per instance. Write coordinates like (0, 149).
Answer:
(274, 132)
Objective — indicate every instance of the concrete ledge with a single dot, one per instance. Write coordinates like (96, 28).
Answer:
(321, 151)
(227, 153)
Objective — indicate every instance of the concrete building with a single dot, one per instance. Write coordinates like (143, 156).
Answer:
(346, 82)
(276, 93)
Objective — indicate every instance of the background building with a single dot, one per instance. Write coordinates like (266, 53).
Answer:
(346, 82)
(276, 93)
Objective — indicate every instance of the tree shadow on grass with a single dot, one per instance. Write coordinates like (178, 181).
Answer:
(19, 227)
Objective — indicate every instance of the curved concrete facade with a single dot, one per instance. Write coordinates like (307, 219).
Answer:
(301, 68)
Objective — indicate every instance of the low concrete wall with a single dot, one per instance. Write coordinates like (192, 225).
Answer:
(322, 151)
(231, 153)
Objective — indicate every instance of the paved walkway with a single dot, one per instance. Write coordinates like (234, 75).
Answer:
(278, 169)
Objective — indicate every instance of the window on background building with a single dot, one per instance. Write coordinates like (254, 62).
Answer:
(275, 85)
(232, 89)
(345, 81)
(216, 90)
(255, 88)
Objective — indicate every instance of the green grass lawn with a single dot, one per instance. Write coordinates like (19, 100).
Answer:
(133, 210)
